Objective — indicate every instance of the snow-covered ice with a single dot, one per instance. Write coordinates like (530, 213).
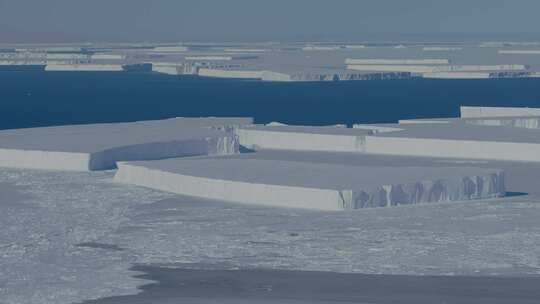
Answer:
(290, 61)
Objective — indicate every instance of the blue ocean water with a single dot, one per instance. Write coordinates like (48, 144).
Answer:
(36, 98)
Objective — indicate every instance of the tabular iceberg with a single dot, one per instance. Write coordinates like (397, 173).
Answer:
(100, 146)
(311, 185)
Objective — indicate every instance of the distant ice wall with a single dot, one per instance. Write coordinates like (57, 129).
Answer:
(423, 121)
(170, 49)
(396, 61)
(237, 74)
(84, 67)
(457, 75)
(473, 112)
(208, 58)
(169, 70)
(107, 57)
(520, 52)
(437, 69)
(516, 122)
(275, 76)
(441, 49)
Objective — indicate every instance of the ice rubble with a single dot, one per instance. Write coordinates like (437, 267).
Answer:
(100, 146)
(311, 185)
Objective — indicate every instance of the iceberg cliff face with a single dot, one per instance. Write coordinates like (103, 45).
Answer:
(490, 185)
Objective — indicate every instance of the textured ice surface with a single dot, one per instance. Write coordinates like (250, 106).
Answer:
(99, 146)
(309, 185)
(47, 215)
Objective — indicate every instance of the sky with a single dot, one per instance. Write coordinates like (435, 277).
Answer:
(263, 20)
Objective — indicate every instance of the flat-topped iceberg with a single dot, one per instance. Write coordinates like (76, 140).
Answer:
(100, 146)
(319, 186)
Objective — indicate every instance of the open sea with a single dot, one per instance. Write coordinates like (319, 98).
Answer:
(37, 98)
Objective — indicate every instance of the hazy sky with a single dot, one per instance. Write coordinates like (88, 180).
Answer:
(259, 20)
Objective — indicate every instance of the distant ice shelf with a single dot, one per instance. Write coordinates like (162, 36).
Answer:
(457, 75)
(310, 185)
(441, 49)
(171, 49)
(236, 74)
(352, 61)
(107, 57)
(436, 68)
(84, 67)
(520, 52)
